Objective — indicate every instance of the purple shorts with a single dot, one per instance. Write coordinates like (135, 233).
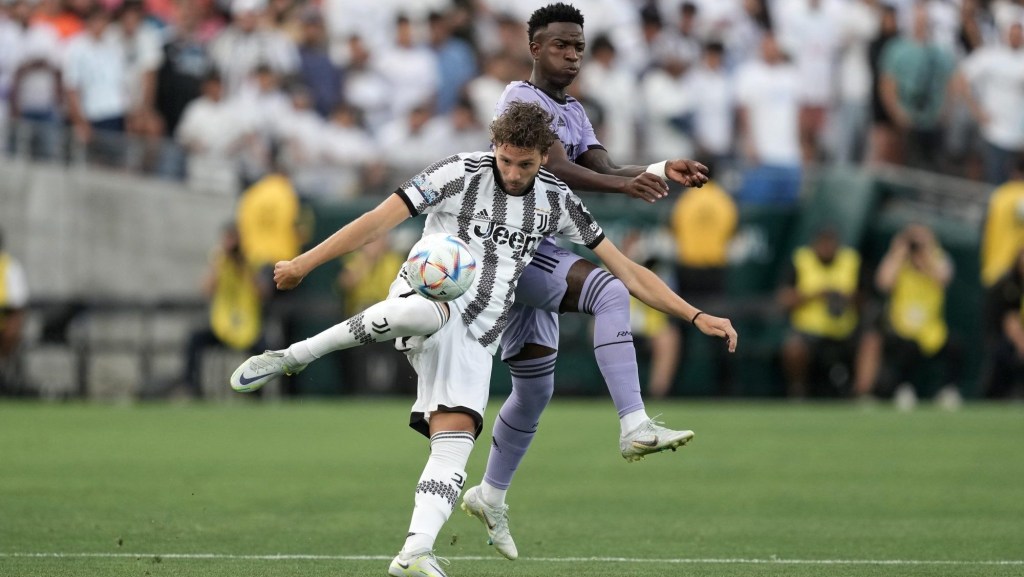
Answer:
(534, 316)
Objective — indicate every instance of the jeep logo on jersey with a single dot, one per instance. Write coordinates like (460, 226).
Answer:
(517, 240)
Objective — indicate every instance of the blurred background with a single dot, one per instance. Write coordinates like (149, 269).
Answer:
(863, 228)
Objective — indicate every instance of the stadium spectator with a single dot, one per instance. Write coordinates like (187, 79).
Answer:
(351, 154)
(995, 96)
(210, 130)
(561, 281)
(65, 20)
(486, 89)
(456, 131)
(317, 70)
(744, 38)
(456, 61)
(915, 78)
(450, 411)
(714, 103)
(768, 94)
(143, 58)
(820, 292)
(13, 303)
(884, 145)
(1003, 236)
(245, 45)
(913, 276)
(668, 104)
(410, 71)
(184, 64)
(610, 84)
(95, 76)
(30, 63)
(858, 24)
(235, 292)
(365, 87)
(408, 140)
(688, 31)
(1005, 372)
(808, 31)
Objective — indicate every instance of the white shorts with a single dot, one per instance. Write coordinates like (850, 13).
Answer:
(453, 369)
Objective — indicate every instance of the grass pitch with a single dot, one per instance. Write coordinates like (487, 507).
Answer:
(325, 488)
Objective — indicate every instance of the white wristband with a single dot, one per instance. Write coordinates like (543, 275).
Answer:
(658, 168)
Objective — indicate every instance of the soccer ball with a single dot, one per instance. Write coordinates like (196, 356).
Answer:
(440, 267)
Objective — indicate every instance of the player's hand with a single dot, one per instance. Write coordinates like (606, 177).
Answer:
(718, 327)
(687, 172)
(646, 186)
(287, 274)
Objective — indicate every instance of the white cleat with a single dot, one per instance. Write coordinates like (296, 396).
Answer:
(494, 518)
(260, 370)
(421, 564)
(650, 437)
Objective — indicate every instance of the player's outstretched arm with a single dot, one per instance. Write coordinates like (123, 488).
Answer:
(371, 225)
(594, 170)
(649, 288)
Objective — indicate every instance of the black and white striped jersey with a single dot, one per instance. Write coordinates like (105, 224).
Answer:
(460, 196)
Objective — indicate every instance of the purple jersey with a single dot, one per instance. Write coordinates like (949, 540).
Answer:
(570, 123)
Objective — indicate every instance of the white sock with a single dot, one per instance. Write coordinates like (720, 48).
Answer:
(492, 495)
(439, 487)
(389, 319)
(630, 421)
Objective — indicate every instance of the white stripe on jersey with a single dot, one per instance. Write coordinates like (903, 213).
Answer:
(460, 196)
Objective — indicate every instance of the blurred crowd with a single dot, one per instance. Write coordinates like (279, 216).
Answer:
(349, 86)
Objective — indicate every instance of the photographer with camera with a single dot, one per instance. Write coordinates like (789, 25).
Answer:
(821, 292)
(913, 275)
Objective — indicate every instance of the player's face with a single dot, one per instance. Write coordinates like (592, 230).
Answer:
(558, 52)
(517, 167)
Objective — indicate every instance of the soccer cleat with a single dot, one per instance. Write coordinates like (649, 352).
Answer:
(494, 518)
(260, 370)
(421, 564)
(650, 437)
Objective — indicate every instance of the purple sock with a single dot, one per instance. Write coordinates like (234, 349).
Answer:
(533, 381)
(605, 297)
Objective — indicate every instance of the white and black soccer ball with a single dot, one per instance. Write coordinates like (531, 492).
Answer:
(440, 267)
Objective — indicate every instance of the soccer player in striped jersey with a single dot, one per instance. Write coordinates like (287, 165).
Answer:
(559, 281)
(502, 204)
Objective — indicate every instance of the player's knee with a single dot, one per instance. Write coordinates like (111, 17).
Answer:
(417, 315)
(613, 296)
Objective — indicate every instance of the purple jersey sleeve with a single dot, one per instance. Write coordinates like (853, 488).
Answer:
(570, 122)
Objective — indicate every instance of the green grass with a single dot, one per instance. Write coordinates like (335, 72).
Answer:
(136, 485)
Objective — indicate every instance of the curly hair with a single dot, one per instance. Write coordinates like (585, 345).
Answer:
(523, 125)
(551, 13)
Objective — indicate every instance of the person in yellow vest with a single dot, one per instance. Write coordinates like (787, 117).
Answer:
(268, 219)
(913, 274)
(13, 301)
(1003, 236)
(236, 295)
(703, 224)
(1006, 366)
(821, 294)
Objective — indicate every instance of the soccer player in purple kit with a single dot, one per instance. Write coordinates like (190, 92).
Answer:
(559, 281)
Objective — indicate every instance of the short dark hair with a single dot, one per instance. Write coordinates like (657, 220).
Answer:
(550, 14)
(523, 125)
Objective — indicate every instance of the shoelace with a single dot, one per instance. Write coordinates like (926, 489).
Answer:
(262, 364)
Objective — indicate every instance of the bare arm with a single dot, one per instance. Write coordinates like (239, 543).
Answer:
(649, 288)
(885, 276)
(595, 171)
(889, 93)
(371, 225)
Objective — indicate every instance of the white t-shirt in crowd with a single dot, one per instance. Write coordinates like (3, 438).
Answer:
(15, 284)
(996, 73)
(411, 75)
(143, 54)
(212, 127)
(770, 95)
(858, 26)
(96, 69)
(713, 106)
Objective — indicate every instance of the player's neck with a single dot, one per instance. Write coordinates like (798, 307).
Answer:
(552, 90)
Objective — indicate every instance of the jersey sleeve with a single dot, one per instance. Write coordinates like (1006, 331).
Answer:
(589, 138)
(436, 188)
(577, 224)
